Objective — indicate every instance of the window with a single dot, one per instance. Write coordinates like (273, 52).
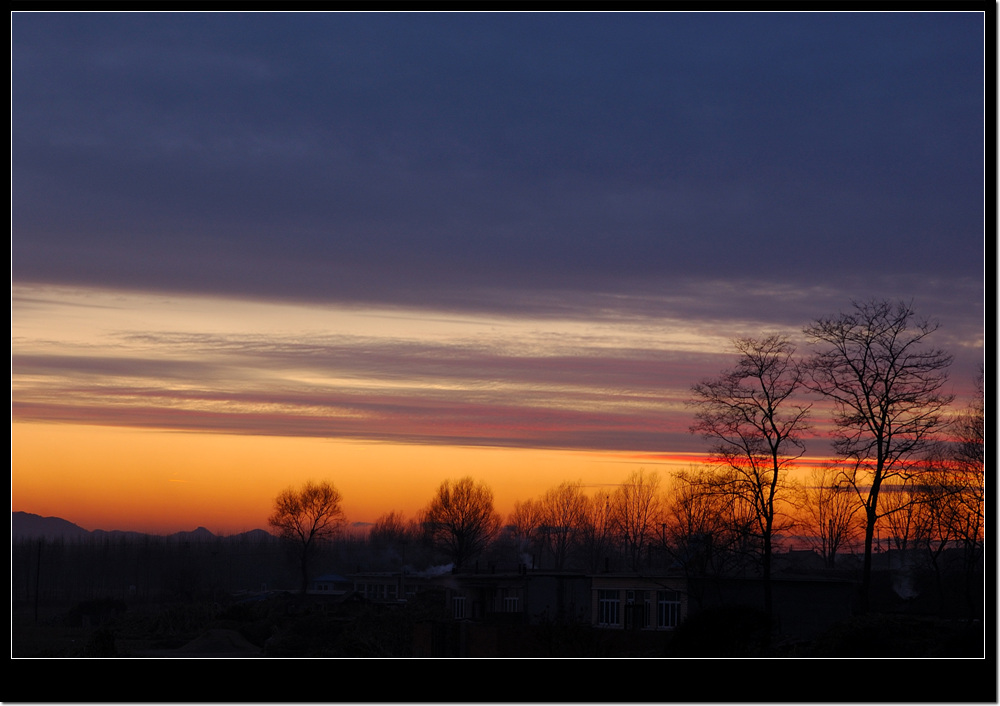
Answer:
(459, 604)
(507, 600)
(636, 610)
(607, 607)
(668, 613)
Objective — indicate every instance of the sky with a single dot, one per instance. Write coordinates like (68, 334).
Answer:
(386, 249)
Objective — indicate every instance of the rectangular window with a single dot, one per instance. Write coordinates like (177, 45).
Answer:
(668, 613)
(636, 617)
(506, 600)
(459, 604)
(511, 600)
(607, 607)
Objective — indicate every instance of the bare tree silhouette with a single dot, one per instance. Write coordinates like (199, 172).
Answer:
(872, 363)
(636, 513)
(597, 536)
(563, 513)
(828, 513)
(389, 528)
(307, 516)
(750, 416)
(461, 519)
(524, 522)
(706, 531)
(968, 473)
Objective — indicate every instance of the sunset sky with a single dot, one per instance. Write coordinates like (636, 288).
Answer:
(389, 249)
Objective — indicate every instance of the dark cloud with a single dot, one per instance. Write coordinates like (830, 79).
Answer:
(372, 157)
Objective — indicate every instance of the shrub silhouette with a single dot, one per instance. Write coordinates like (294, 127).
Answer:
(875, 635)
(306, 636)
(101, 644)
(731, 631)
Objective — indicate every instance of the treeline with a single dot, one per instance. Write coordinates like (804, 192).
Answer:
(688, 522)
(645, 523)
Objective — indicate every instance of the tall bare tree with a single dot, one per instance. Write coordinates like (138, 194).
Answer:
(886, 386)
(597, 534)
(524, 522)
(828, 513)
(307, 516)
(750, 416)
(702, 529)
(969, 466)
(953, 497)
(902, 520)
(563, 513)
(461, 519)
(636, 513)
(937, 509)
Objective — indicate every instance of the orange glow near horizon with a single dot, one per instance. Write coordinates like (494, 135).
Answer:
(162, 482)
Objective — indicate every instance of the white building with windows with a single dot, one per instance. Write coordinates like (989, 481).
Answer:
(631, 602)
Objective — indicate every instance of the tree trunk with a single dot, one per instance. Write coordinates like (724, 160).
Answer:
(305, 568)
(768, 592)
(866, 571)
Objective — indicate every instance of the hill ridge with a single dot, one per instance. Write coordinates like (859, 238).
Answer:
(28, 525)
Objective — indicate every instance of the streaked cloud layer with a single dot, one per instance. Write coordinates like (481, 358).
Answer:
(294, 370)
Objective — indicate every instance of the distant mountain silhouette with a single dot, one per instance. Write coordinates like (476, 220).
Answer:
(197, 535)
(255, 535)
(26, 525)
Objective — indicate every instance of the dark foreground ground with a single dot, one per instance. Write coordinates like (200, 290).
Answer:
(286, 627)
